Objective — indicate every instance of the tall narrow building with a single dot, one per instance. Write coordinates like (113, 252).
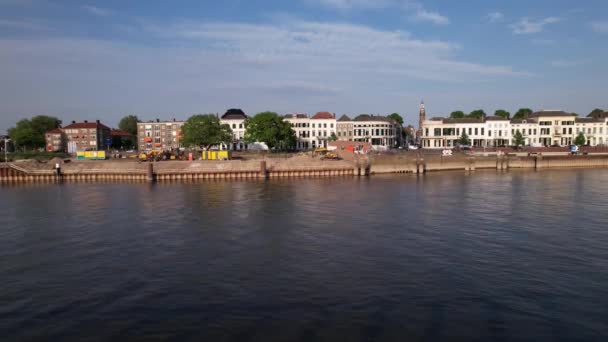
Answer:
(421, 119)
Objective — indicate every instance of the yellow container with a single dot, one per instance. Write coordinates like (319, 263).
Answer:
(216, 155)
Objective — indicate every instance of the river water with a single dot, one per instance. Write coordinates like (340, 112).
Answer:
(446, 256)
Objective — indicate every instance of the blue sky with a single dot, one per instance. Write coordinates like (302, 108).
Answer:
(164, 59)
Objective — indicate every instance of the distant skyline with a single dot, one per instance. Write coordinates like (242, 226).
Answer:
(87, 60)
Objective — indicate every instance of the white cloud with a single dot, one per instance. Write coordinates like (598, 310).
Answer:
(350, 4)
(418, 11)
(527, 26)
(600, 26)
(296, 66)
(494, 17)
(98, 11)
(566, 63)
(433, 17)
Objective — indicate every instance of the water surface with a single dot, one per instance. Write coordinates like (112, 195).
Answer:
(446, 256)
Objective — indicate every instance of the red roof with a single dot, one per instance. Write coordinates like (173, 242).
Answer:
(55, 131)
(120, 133)
(87, 125)
(323, 115)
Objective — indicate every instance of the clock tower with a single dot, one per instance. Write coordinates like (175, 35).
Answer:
(421, 119)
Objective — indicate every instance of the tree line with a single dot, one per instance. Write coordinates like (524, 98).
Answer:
(522, 113)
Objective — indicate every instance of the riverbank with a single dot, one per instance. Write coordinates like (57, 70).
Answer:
(295, 166)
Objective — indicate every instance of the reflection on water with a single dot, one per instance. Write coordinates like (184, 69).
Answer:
(446, 256)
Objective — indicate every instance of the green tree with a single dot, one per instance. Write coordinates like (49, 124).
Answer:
(522, 113)
(333, 137)
(464, 139)
(205, 130)
(502, 113)
(270, 128)
(519, 139)
(129, 124)
(595, 112)
(477, 114)
(580, 139)
(457, 114)
(396, 117)
(29, 133)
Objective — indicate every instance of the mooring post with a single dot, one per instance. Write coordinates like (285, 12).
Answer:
(263, 169)
(150, 175)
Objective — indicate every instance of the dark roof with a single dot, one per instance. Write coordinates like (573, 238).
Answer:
(520, 121)
(120, 133)
(550, 113)
(496, 118)
(603, 115)
(234, 114)
(323, 115)
(585, 120)
(344, 117)
(55, 131)
(296, 116)
(367, 117)
(86, 124)
(463, 120)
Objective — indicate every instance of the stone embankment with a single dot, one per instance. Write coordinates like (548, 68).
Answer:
(296, 166)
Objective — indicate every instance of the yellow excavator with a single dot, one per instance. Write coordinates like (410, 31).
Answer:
(324, 153)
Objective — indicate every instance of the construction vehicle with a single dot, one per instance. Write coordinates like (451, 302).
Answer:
(324, 153)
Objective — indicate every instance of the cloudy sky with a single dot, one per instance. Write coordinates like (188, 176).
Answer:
(169, 59)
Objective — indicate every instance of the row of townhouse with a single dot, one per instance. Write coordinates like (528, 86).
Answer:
(316, 131)
(543, 128)
(311, 132)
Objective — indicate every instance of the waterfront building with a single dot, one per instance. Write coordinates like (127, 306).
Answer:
(235, 119)
(81, 136)
(56, 140)
(542, 128)
(300, 123)
(345, 128)
(377, 130)
(159, 135)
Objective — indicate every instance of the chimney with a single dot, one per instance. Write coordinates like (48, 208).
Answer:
(173, 119)
(97, 121)
(157, 120)
(85, 121)
(73, 121)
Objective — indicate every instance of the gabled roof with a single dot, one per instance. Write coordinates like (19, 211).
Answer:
(234, 114)
(86, 125)
(344, 117)
(550, 113)
(323, 115)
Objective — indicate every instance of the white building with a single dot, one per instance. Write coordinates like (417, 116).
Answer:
(235, 119)
(322, 127)
(543, 128)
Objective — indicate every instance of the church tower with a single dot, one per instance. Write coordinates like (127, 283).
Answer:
(421, 119)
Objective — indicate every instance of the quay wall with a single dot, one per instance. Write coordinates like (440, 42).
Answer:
(90, 171)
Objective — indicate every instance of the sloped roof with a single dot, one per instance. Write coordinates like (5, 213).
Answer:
(603, 115)
(344, 117)
(463, 120)
(496, 118)
(521, 121)
(234, 114)
(55, 131)
(85, 124)
(296, 116)
(588, 120)
(367, 117)
(323, 115)
(120, 133)
(550, 113)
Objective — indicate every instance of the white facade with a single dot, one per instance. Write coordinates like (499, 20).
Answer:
(545, 128)
(312, 132)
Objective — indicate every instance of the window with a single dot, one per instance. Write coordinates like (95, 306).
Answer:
(570, 130)
(437, 132)
(482, 131)
(233, 125)
(475, 130)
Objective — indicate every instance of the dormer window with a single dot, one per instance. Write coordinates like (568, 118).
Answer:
(523, 121)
